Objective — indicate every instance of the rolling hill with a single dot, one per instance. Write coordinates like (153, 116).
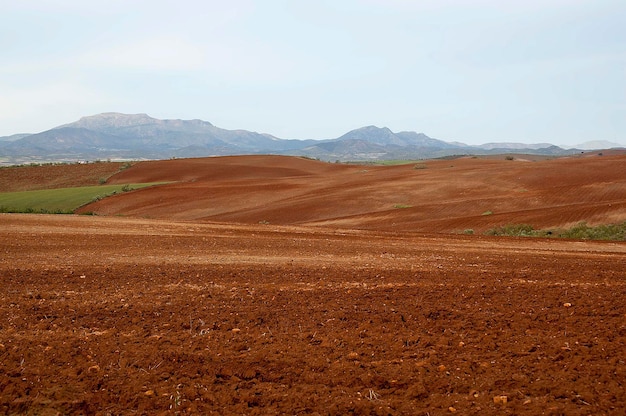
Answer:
(448, 196)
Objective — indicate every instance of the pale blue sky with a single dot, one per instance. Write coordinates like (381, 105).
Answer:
(473, 71)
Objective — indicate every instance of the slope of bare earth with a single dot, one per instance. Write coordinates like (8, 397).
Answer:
(28, 178)
(110, 315)
(432, 196)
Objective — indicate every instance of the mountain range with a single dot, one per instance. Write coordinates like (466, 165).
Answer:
(138, 136)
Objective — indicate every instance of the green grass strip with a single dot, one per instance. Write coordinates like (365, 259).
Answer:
(61, 200)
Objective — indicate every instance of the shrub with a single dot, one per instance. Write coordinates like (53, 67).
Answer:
(513, 230)
(582, 231)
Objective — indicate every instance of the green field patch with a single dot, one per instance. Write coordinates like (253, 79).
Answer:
(61, 200)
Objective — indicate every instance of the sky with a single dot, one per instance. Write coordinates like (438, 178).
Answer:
(532, 71)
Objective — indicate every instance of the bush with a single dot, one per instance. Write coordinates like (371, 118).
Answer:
(513, 230)
(602, 232)
(612, 232)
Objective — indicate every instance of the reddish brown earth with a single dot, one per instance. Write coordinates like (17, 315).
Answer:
(27, 178)
(184, 315)
(438, 196)
(128, 316)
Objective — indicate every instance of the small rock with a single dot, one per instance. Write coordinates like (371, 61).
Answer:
(353, 356)
(236, 330)
(500, 400)
(149, 393)
(451, 409)
(94, 368)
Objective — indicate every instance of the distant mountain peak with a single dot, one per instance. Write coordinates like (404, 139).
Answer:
(383, 136)
(374, 128)
(139, 136)
(372, 134)
(111, 120)
(119, 116)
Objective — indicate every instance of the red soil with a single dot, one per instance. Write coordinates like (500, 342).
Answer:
(27, 178)
(438, 196)
(128, 316)
(336, 315)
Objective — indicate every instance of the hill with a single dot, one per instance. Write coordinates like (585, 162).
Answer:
(433, 196)
(36, 177)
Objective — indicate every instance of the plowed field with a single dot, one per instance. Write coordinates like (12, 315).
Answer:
(121, 316)
(435, 196)
(336, 303)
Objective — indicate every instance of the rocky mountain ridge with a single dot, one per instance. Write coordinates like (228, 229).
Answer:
(120, 136)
